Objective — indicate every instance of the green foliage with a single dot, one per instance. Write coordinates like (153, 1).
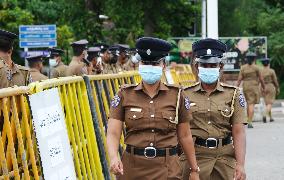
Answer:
(162, 19)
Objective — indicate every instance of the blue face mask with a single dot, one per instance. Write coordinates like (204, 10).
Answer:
(150, 74)
(208, 75)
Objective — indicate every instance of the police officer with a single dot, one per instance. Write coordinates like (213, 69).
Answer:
(59, 68)
(251, 76)
(113, 58)
(36, 66)
(77, 66)
(156, 116)
(134, 62)
(218, 112)
(10, 73)
(95, 60)
(123, 63)
(272, 87)
(105, 55)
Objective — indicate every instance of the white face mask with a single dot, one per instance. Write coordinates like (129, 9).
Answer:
(99, 61)
(134, 60)
(52, 62)
(86, 55)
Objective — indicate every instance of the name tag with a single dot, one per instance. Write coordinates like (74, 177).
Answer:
(135, 109)
(192, 104)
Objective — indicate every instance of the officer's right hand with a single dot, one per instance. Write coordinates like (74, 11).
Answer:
(116, 166)
(194, 176)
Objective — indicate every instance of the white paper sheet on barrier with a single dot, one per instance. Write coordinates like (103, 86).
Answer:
(52, 137)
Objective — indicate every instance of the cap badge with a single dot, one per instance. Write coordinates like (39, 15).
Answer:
(148, 52)
(102, 47)
(208, 51)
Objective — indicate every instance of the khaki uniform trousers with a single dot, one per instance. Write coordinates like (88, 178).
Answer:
(137, 167)
(215, 164)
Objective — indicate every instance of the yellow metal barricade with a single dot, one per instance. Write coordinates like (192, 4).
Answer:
(104, 87)
(183, 75)
(74, 100)
(17, 146)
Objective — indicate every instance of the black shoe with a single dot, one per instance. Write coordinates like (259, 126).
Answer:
(271, 120)
(264, 119)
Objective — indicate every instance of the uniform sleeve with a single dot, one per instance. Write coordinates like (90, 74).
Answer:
(184, 114)
(116, 108)
(274, 78)
(239, 115)
(241, 74)
(257, 69)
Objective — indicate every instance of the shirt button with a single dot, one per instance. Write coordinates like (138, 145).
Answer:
(171, 118)
(208, 110)
(151, 144)
(209, 122)
(153, 130)
(152, 115)
(208, 99)
(134, 116)
(151, 102)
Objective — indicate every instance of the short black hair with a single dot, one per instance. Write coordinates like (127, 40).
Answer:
(5, 45)
(78, 50)
(32, 64)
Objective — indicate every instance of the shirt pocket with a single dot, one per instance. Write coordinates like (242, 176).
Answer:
(170, 118)
(224, 113)
(134, 120)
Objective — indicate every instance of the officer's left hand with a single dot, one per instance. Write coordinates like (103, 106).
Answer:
(240, 173)
(194, 176)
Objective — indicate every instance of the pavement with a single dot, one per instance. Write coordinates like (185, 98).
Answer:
(265, 147)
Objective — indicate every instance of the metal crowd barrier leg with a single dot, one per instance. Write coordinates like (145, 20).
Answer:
(11, 145)
(73, 136)
(30, 145)
(79, 143)
(92, 137)
(98, 131)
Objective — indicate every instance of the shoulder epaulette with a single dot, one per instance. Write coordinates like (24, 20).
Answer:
(228, 85)
(172, 85)
(192, 85)
(23, 68)
(125, 86)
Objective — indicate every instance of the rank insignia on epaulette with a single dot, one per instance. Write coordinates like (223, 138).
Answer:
(242, 100)
(115, 101)
(187, 103)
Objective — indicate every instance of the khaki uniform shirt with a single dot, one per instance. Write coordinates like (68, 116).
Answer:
(36, 75)
(59, 71)
(124, 67)
(269, 76)
(148, 119)
(18, 75)
(76, 68)
(133, 67)
(109, 68)
(250, 75)
(207, 110)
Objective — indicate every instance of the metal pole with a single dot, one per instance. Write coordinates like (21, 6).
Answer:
(26, 54)
(212, 19)
(203, 19)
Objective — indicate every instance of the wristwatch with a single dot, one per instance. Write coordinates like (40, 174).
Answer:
(195, 169)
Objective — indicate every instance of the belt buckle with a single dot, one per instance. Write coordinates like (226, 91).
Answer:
(150, 149)
(211, 139)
